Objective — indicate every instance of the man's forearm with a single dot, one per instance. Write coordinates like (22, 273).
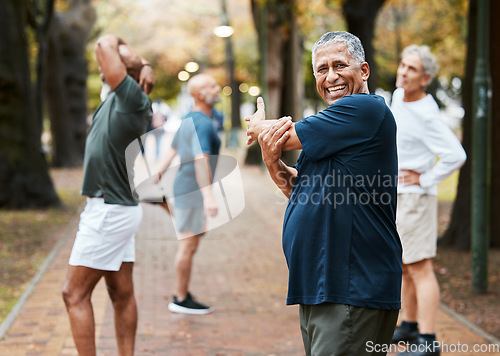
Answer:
(283, 176)
(255, 128)
(165, 162)
(202, 173)
(204, 180)
(293, 143)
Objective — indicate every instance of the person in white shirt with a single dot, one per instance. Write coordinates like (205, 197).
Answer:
(421, 137)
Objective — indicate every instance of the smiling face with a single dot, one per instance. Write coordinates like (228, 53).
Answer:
(338, 74)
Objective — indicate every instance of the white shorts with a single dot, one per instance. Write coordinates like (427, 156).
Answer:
(416, 220)
(106, 235)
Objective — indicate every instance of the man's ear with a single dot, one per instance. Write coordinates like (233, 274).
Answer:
(365, 71)
(426, 80)
(202, 94)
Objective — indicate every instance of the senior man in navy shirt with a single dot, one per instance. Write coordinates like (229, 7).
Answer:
(339, 234)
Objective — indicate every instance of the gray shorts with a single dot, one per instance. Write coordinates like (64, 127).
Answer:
(330, 329)
(190, 219)
(416, 220)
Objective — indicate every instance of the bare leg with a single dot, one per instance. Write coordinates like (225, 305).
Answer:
(121, 291)
(77, 291)
(408, 297)
(427, 292)
(184, 262)
(165, 206)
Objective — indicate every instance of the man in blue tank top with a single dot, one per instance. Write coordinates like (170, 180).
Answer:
(339, 234)
(197, 145)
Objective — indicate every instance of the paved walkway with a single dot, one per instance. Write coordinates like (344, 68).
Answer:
(239, 270)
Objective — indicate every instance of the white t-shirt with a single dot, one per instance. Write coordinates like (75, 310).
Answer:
(422, 137)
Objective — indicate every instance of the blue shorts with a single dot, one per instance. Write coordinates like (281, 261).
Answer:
(190, 219)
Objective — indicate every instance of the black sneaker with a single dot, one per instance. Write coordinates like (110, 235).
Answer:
(422, 348)
(402, 334)
(188, 306)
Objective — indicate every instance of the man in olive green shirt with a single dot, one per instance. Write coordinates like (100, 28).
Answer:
(105, 244)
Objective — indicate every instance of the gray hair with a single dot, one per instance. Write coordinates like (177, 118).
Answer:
(354, 46)
(429, 61)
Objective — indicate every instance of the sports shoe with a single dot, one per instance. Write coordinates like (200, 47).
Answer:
(188, 306)
(422, 347)
(402, 334)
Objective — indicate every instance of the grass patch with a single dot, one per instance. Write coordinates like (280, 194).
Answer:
(27, 236)
(447, 189)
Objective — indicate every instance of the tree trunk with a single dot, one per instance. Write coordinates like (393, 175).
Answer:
(275, 56)
(495, 119)
(458, 234)
(24, 178)
(292, 91)
(360, 16)
(285, 81)
(66, 82)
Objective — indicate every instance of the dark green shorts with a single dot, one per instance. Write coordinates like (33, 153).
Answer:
(342, 330)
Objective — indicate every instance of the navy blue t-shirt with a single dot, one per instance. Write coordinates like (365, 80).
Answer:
(195, 135)
(339, 234)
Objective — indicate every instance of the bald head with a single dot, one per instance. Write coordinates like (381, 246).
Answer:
(198, 83)
(131, 59)
(204, 89)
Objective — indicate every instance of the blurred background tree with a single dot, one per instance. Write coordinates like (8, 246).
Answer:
(24, 178)
(459, 230)
(494, 49)
(281, 38)
(65, 82)
(361, 16)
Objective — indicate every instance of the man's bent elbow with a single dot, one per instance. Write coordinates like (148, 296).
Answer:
(293, 143)
(462, 158)
(107, 41)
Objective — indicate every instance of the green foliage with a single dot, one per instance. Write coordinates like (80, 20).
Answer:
(447, 189)
(309, 80)
(94, 85)
(317, 17)
(167, 86)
